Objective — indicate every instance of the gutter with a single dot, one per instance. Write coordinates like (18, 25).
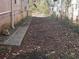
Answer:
(12, 17)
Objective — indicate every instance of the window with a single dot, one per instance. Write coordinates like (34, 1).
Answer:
(15, 1)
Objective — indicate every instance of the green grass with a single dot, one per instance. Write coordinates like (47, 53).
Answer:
(42, 7)
(67, 57)
(52, 17)
(68, 23)
(3, 50)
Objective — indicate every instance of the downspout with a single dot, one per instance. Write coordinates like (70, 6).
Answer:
(27, 7)
(78, 10)
(12, 17)
(21, 9)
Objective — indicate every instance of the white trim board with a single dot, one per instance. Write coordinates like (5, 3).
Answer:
(4, 12)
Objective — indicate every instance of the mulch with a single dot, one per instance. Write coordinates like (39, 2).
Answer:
(46, 35)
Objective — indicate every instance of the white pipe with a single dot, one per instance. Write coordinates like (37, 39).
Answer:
(12, 16)
(5, 12)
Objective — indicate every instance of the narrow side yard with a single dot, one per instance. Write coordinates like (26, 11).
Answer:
(46, 35)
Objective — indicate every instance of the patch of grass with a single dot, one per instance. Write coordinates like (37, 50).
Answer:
(76, 28)
(3, 50)
(53, 16)
(50, 57)
(68, 23)
(32, 55)
(66, 56)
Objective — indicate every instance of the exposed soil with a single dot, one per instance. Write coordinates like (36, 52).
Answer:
(47, 36)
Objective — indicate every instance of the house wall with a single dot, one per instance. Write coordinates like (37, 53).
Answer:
(5, 13)
(19, 10)
(24, 7)
(11, 12)
(16, 11)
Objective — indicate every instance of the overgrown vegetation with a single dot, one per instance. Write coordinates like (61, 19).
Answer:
(3, 50)
(32, 55)
(65, 56)
(42, 7)
(68, 23)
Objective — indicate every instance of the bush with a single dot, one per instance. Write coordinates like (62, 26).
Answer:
(42, 7)
(68, 23)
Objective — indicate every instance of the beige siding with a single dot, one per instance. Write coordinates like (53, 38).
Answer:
(4, 5)
(4, 13)
(18, 10)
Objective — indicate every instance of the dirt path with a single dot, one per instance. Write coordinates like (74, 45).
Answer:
(49, 35)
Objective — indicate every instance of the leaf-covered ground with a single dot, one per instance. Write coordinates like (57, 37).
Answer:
(48, 36)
